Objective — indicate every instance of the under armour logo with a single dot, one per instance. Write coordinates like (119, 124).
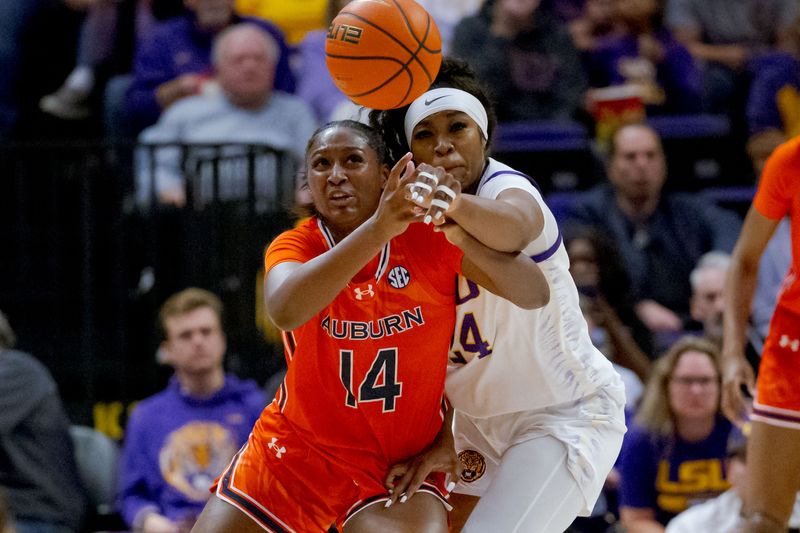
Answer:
(429, 102)
(273, 445)
(792, 344)
(368, 292)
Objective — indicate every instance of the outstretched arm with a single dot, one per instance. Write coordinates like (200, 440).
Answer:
(739, 289)
(508, 223)
(505, 272)
(510, 275)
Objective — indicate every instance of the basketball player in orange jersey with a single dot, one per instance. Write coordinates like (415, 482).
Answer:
(773, 449)
(366, 300)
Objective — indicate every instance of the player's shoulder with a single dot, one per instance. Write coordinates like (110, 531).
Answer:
(498, 175)
(786, 157)
(305, 230)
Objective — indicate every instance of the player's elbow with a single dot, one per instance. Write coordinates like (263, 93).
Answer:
(534, 298)
(283, 317)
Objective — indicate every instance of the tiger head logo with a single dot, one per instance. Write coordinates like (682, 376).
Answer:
(474, 465)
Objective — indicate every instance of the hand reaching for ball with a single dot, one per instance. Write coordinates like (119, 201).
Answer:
(435, 191)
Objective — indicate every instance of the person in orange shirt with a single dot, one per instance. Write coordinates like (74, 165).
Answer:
(365, 297)
(772, 449)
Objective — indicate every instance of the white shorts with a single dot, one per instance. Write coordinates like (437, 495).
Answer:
(591, 430)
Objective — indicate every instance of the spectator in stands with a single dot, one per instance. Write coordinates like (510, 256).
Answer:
(244, 110)
(725, 35)
(660, 236)
(773, 102)
(179, 440)
(595, 21)
(565, 10)
(723, 512)
(96, 47)
(707, 280)
(526, 56)
(174, 60)
(645, 55)
(295, 18)
(674, 453)
(314, 82)
(447, 14)
(37, 461)
(603, 283)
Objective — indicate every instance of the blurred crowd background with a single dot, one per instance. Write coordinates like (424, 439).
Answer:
(148, 146)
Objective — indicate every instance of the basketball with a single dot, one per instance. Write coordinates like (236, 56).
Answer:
(383, 53)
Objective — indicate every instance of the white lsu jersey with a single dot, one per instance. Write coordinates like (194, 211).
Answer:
(506, 359)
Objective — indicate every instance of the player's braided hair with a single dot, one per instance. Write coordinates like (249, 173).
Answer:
(454, 73)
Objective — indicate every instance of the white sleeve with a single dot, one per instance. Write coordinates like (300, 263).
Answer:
(550, 232)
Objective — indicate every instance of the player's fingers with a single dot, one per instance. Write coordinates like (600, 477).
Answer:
(415, 481)
(732, 400)
(401, 487)
(750, 380)
(402, 169)
(442, 198)
(424, 186)
(397, 471)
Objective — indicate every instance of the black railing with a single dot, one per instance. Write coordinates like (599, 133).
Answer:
(84, 263)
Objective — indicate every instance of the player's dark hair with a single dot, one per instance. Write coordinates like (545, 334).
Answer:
(373, 138)
(454, 73)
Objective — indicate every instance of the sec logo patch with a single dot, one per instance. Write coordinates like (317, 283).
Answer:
(399, 277)
(474, 465)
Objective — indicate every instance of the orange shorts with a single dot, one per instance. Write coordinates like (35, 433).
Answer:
(285, 485)
(777, 399)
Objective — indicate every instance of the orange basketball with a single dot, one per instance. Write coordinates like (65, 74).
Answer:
(383, 53)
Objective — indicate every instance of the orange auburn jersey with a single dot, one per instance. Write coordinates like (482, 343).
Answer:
(778, 195)
(365, 380)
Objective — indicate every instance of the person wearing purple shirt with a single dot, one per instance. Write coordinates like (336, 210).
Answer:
(314, 83)
(175, 60)
(673, 455)
(646, 54)
(180, 439)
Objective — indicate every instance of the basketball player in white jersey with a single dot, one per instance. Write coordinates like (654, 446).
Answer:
(538, 419)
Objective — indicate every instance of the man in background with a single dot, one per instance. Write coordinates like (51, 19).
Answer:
(180, 439)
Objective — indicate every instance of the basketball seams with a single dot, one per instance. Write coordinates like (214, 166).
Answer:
(411, 29)
(392, 37)
(421, 44)
(403, 68)
(382, 87)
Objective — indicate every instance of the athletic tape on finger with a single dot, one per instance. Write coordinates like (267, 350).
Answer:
(447, 190)
(440, 203)
(428, 175)
(422, 185)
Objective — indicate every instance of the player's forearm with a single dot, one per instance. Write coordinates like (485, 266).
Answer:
(314, 285)
(497, 224)
(739, 290)
(510, 275)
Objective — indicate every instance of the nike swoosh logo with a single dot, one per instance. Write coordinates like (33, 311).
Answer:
(429, 102)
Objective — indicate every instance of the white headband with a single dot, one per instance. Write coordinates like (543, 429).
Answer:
(445, 99)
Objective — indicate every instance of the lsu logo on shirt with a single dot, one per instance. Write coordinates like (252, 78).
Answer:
(697, 481)
(193, 455)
